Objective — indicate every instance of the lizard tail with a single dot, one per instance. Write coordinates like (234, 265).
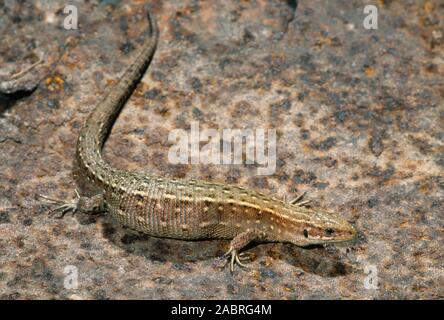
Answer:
(99, 123)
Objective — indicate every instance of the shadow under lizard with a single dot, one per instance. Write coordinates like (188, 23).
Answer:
(188, 209)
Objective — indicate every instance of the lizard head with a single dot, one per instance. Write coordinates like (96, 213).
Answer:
(307, 226)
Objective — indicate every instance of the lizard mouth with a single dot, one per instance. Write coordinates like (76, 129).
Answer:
(345, 234)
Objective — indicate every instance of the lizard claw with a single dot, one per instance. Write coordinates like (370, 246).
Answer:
(236, 258)
(63, 208)
(244, 256)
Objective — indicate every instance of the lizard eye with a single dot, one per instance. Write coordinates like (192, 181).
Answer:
(305, 233)
(329, 231)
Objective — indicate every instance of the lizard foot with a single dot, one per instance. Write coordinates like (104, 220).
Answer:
(63, 208)
(298, 200)
(236, 258)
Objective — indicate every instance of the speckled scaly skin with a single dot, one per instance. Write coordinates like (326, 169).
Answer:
(189, 209)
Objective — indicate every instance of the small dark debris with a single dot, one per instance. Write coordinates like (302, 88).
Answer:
(391, 103)
(324, 144)
(197, 114)
(376, 144)
(306, 62)
(248, 36)
(4, 217)
(11, 296)
(196, 84)
(158, 76)
(305, 134)
(341, 116)
(127, 47)
(440, 161)
(85, 219)
(85, 245)
(268, 273)
(233, 176)
(152, 94)
(340, 269)
(279, 107)
(379, 173)
(321, 185)
(431, 67)
(304, 177)
(329, 162)
(27, 221)
(372, 202)
(301, 96)
(260, 182)
(182, 267)
(231, 289)
(123, 24)
(335, 99)
(139, 131)
(357, 48)
(100, 295)
(53, 104)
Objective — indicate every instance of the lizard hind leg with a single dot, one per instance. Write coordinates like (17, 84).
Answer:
(92, 205)
(233, 254)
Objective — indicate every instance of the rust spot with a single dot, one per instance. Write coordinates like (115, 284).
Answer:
(370, 72)
(54, 83)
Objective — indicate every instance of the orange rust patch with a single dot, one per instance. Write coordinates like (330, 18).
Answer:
(424, 188)
(54, 83)
(429, 7)
(370, 72)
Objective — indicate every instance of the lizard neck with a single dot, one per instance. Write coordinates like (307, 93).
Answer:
(99, 123)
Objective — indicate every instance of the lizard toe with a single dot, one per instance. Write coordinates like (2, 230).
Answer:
(234, 257)
(63, 208)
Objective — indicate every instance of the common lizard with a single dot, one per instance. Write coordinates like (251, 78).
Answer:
(192, 209)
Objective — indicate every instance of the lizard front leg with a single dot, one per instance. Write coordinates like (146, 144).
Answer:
(239, 242)
(91, 205)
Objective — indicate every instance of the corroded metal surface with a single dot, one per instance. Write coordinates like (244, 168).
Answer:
(359, 117)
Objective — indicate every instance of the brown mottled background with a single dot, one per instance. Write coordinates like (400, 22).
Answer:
(360, 122)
